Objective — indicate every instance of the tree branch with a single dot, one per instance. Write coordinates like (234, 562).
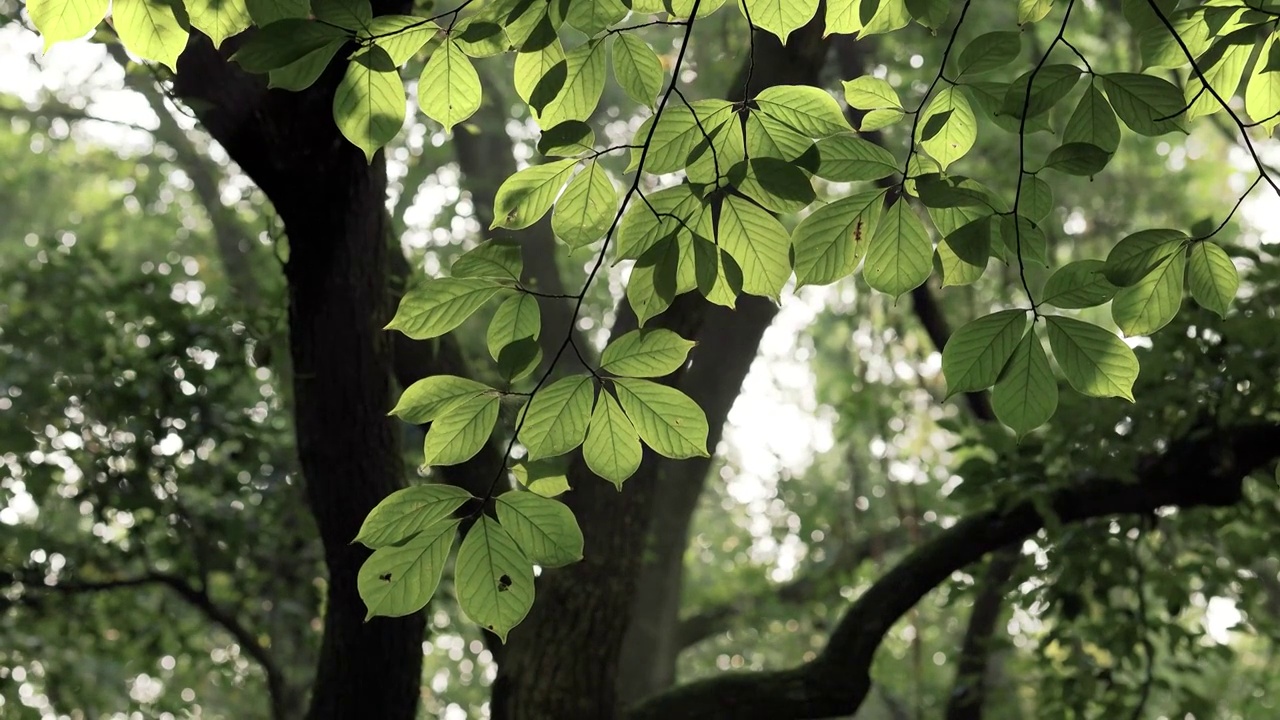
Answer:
(197, 598)
(718, 618)
(1204, 469)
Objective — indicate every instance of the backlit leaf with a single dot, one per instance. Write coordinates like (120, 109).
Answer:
(612, 448)
(1095, 361)
(449, 88)
(900, 255)
(440, 305)
(1214, 279)
(399, 580)
(493, 579)
(409, 511)
(666, 419)
(1026, 395)
(974, 356)
(555, 420)
(645, 353)
(461, 429)
(544, 529)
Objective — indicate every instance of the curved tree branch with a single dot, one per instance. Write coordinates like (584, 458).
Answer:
(1204, 469)
(199, 599)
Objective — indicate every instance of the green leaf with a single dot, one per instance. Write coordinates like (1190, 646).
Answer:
(948, 128)
(1095, 361)
(219, 19)
(669, 212)
(1148, 105)
(1152, 302)
(930, 13)
(584, 82)
(449, 88)
(58, 20)
(595, 16)
(646, 354)
(715, 154)
(544, 529)
(899, 257)
(555, 420)
(809, 110)
(490, 259)
(1026, 395)
(1138, 254)
(666, 419)
(570, 138)
(974, 356)
(769, 137)
(1080, 284)
(400, 579)
(479, 37)
(266, 12)
(349, 14)
(989, 52)
(461, 429)
(1214, 279)
(303, 72)
(848, 158)
(402, 36)
(655, 277)
(972, 241)
(612, 448)
(776, 185)
(1035, 202)
(440, 305)
(889, 16)
(519, 359)
(546, 478)
(492, 578)
(1093, 122)
(780, 17)
(1051, 85)
(1024, 239)
(409, 511)
(151, 29)
(678, 131)
(1030, 11)
(830, 243)
(1262, 94)
(369, 104)
(517, 318)
(871, 93)
(718, 276)
(586, 210)
(1078, 159)
(422, 401)
(954, 269)
(637, 68)
(539, 74)
(525, 197)
(1224, 77)
(759, 243)
(842, 17)
(285, 42)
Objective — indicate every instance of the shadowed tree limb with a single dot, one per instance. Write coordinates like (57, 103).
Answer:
(198, 598)
(1204, 469)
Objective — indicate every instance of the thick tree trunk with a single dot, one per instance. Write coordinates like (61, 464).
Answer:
(338, 303)
(331, 201)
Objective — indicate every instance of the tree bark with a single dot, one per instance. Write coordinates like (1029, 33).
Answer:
(332, 204)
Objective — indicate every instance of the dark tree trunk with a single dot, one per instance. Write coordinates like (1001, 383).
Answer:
(338, 303)
(332, 204)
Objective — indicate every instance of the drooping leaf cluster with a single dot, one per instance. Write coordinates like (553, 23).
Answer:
(713, 187)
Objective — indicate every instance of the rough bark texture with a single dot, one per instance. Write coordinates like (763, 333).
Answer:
(331, 201)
